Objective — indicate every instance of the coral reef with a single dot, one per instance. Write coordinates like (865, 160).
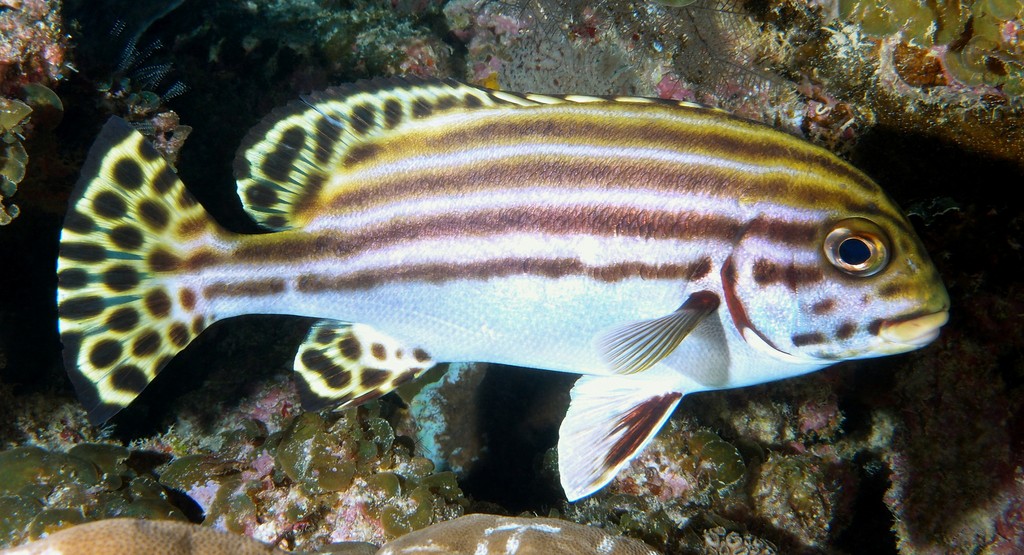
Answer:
(437, 417)
(974, 43)
(367, 37)
(294, 480)
(784, 473)
(706, 51)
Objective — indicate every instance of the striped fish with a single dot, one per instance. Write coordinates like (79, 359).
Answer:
(657, 248)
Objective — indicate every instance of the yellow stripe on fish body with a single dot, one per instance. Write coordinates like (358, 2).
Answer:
(658, 248)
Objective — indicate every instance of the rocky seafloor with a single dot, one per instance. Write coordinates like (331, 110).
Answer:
(918, 453)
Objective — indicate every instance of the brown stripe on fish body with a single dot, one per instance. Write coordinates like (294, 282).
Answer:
(502, 267)
(356, 190)
(693, 130)
(603, 125)
(296, 247)
(384, 127)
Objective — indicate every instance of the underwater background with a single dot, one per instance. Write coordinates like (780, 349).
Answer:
(917, 453)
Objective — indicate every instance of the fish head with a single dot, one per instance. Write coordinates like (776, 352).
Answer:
(850, 286)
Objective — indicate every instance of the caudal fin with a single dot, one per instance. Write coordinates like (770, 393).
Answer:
(123, 311)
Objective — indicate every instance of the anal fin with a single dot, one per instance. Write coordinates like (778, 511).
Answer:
(349, 364)
(610, 419)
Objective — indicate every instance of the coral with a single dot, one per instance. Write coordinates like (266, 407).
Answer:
(32, 56)
(43, 491)
(261, 470)
(320, 479)
(718, 541)
(799, 495)
(135, 89)
(779, 465)
(949, 70)
(42, 105)
(126, 536)
(33, 48)
(477, 534)
(977, 43)
(659, 497)
(706, 51)
(437, 418)
(369, 37)
(829, 74)
(480, 534)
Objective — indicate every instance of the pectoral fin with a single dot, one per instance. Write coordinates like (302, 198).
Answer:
(349, 364)
(610, 419)
(637, 346)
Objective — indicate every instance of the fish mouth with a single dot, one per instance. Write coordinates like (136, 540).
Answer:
(916, 331)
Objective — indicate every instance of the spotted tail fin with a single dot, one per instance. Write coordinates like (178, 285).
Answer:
(123, 313)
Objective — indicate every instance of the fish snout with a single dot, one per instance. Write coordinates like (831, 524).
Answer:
(916, 331)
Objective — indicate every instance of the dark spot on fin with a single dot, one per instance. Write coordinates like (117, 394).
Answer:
(609, 421)
(348, 364)
(637, 346)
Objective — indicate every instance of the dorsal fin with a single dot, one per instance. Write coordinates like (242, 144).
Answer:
(287, 158)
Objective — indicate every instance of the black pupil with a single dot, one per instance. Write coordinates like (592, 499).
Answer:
(854, 251)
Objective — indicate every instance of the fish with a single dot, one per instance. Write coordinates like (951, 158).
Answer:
(656, 248)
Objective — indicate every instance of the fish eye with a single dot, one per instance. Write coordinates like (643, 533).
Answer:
(858, 247)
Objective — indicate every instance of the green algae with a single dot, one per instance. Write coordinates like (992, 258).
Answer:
(43, 491)
(109, 460)
(307, 455)
(384, 484)
(716, 460)
(49, 521)
(16, 512)
(36, 472)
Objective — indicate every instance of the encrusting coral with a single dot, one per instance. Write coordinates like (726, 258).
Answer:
(480, 534)
(477, 534)
(125, 536)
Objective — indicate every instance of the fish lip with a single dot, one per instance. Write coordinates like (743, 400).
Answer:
(916, 330)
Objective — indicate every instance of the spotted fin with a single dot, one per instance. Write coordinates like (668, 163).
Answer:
(348, 364)
(609, 421)
(122, 313)
(287, 159)
(637, 346)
